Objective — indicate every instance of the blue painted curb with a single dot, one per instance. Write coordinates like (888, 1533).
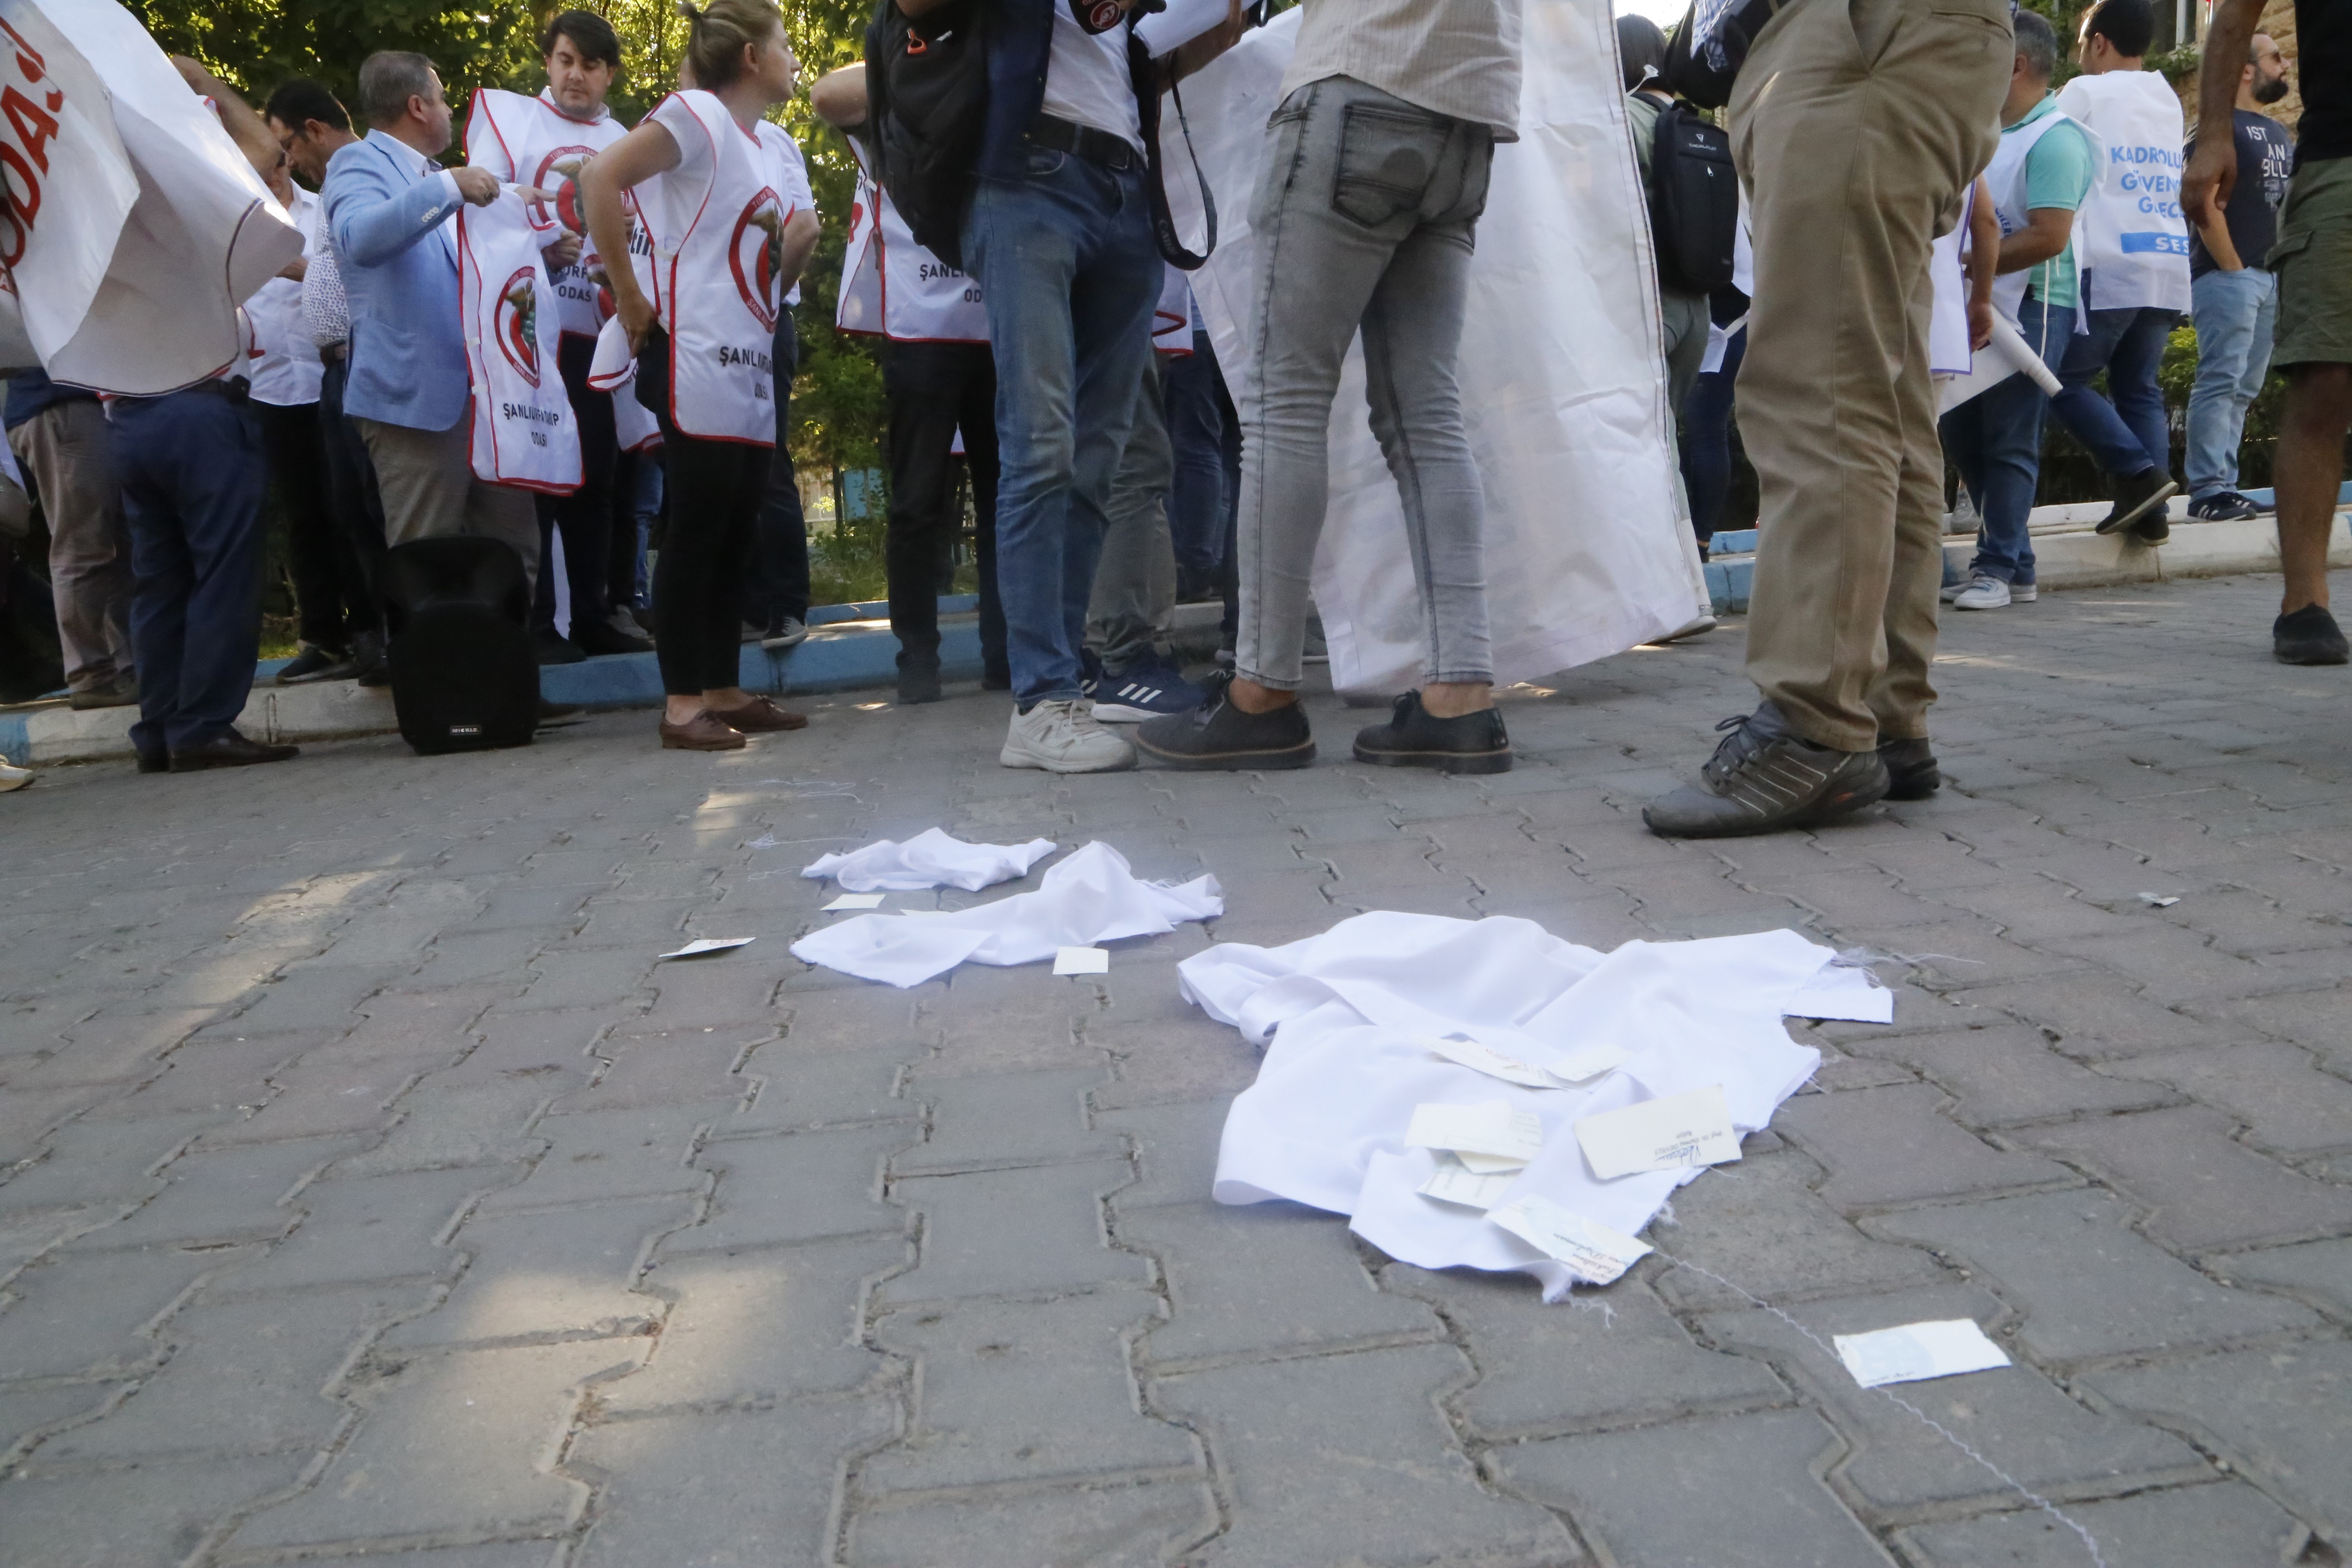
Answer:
(879, 609)
(828, 661)
(2268, 498)
(16, 739)
(1733, 542)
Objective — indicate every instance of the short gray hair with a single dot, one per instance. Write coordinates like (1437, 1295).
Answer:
(2037, 45)
(388, 80)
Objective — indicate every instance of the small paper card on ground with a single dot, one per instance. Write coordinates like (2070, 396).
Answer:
(1691, 1129)
(1914, 1352)
(1082, 961)
(1589, 1061)
(855, 901)
(703, 945)
(1593, 1250)
(1482, 1057)
(1455, 1182)
(1507, 1138)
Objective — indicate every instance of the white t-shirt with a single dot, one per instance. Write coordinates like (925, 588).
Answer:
(287, 374)
(1086, 79)
(791, 178)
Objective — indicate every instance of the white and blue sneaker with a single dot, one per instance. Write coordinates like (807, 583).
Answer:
(1151, 689)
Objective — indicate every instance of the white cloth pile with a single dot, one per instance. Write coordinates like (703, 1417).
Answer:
(933, 858)
(1379, 1019)
(1089, 898)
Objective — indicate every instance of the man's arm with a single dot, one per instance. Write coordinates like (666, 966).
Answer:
(2212, 169)
(2043, 236)
(370, 220)
(2218, 244)
(1984, 262)
(839, 97)
(244, 126)
(799, 242)
(1194, 53)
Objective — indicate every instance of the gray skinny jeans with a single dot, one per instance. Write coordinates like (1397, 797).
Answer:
(1135, 578)
(1364, 218)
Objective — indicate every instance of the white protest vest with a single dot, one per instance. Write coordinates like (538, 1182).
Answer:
(1947, 328)
(1171, 319)
(523, 432)
(528, 141)
(893, 288)
(790, 178)
(2006, 177)
(2134, 243)
(718, 240)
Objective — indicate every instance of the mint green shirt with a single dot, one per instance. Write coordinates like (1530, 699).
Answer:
(2058, 174)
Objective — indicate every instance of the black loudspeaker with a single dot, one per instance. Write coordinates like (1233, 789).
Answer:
(463, 675)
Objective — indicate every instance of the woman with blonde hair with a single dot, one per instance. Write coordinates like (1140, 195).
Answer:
(700, 181)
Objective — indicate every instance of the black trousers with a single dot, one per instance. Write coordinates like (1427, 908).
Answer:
(585, 516)
(715, 491)
(330, 596)
(932, 391)
(780, 566)
(357, 509)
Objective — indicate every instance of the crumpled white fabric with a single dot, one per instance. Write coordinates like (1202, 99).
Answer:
(1089, 898)
(932, 858)
(1347, 1012)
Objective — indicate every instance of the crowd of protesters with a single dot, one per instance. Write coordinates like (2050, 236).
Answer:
(1112, 468)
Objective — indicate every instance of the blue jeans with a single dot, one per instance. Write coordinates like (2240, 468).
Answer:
(1067, 261)
(2235, 313)
(2129, 435)
(1207, 443)
(1995, 440)
(1706, 438)
(193, 482)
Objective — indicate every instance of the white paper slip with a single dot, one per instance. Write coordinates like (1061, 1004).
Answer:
(1455, 1182)
(1082, 961)
(1590, 1062)
(1915, 1351)
(1491, 1164)
(2159, 900)
(1490, 1127)
(1481, 1058)
(855, 901)
(1596, 1252)
(703, 945)
(1693, 1129)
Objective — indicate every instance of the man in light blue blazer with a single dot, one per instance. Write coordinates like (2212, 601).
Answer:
(391, 210)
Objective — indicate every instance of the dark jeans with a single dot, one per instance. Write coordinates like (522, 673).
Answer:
(627, 563)
(780, 562)
(2127, 431)
(934, 390)
(1706, 438)
(330, 598)
(192, 483)
(586, 515)
(1995, 440)
(1207, 441)
(350, 489)
(715, 490)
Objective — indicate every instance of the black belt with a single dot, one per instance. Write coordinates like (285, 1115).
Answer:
(331, 353)
(1116, 153)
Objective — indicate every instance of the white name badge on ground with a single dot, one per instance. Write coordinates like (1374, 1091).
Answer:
(1485, 1136)
(1081, 961)
(703, 945)
(1594, 1251)
(1680, 1129)
(1914, 1352)
(1485, 1058)
(1455, 1182)
(855, 901)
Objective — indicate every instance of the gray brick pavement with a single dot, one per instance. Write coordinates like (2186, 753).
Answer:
(369, 1189)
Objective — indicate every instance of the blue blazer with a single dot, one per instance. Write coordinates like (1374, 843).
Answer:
(400, 272)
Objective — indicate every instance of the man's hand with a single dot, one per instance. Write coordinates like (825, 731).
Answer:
(479, 187)
(1194, 53)
(295, 270)
(2212, 174)
(1979, 322)
(636, 314)
(562, 252)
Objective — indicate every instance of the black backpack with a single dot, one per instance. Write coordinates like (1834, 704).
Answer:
(463, 675)
(1694, 201)
(926, 112)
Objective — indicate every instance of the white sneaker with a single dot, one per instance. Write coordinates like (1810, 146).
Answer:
(14, 777)
(2023, 593)
(1984, 592)
(1064, 738)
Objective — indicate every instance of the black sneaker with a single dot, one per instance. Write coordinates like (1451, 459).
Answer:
(311, 662)
(1415, 738)
(1911, 771)
(919, 677)
(2308, 636)
(2134, 496)
(1765, 777)
(2223, 506)
(2153, 529)
(1218, 735)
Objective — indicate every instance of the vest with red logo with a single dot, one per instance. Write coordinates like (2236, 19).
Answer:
(717, 226)
(892, 286)
(524, 433)
(528, 141)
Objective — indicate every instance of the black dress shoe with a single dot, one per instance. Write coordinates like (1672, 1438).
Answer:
(2310, 635)
(315, 663)
(557, 713)
(229, 751)
(552, 648)
(1415, 738)
(2135, 497)
(1911, 770)
(1219, 736)
(603, 637)
(996, 679)
(1764, 777)
(918, 677)
(155, 761)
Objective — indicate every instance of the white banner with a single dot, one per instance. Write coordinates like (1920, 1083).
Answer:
(524, 431)
(1589, 547)
(135, 226)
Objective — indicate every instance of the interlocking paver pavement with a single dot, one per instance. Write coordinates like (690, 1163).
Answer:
(370, 1190)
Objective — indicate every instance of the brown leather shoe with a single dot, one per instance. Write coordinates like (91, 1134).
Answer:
(703, 732)
(760, 716)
